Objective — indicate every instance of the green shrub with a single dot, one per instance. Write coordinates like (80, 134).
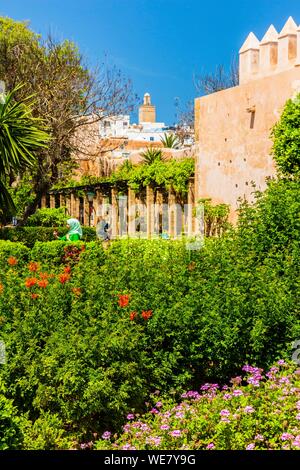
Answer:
(286, 138)
(13, 250)
(54, 253)
(30, 235)
(11, 434)
(47, 217)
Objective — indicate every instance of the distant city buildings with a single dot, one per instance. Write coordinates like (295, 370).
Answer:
(147, 130)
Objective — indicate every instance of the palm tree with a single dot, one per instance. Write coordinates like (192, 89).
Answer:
(20, 135)
(152, 155)
(170, 141)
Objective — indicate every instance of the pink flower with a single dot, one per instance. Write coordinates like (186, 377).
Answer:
(227, 396)
(224, 419)
(298, 417)
(175, 433)
(237, 393)
(130, 416)
(211, 445)
(159, 404)
(281, 362)
(250, 446)
(224, 413)
(286, 436)
(164, 427)
(249, 409)
(259, 437)
(106, 435)
(154, 411)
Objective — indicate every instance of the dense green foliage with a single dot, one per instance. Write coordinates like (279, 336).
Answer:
(259, 411)
(30, 235)
(286, 138)
(47, 217)
(215, 217)
(171, 174)
(90, 333)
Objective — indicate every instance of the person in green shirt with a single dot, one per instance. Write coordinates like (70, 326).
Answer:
(75, 231)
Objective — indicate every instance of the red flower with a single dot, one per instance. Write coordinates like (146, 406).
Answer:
(12, 261)
(33, 266)
(34, 296)
(76, 291)
(63, 278)
(132, 315)
(43, 283)
(147, 314)
(1, 288)
(67, 270)
(30, 282)
(123, 300)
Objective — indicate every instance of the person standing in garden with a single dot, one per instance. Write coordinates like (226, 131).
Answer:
(102, 228)
(74, 232)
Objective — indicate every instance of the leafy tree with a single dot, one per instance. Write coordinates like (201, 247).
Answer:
(286, 139)
(70, 97)
(170, 141)
(21, 135)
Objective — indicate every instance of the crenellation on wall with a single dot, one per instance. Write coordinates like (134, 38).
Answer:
(275, 53)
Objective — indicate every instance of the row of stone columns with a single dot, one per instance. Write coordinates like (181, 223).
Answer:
(129, 216)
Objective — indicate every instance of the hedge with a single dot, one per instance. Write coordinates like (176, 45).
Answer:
(30, 235)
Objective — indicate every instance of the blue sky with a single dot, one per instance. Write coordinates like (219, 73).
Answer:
(159, 44)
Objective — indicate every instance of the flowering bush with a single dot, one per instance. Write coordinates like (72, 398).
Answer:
(260, 412)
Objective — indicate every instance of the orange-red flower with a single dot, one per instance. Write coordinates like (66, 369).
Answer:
(33, 266)
(12, 261)
(30, 282)
(43, 283)
(123, 300)
(44, 275)
(132, 316)
(76, 291)
(147, 314)
(34, 296)
(67, 270)
(63, 278)
(1, 288)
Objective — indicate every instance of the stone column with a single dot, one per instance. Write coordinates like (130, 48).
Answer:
(43, 201)
(150, 211)
(190, 209)
(68, 204)
(114, 213)
(131, 212)
(86, 211)
(172, 214)
(62, 200)
(52, 201)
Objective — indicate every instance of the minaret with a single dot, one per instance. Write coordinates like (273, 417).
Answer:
(287, 44)
(147, 111)
(249, 58)
(268, 54)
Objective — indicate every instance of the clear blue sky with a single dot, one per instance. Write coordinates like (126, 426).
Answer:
(159, 44)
